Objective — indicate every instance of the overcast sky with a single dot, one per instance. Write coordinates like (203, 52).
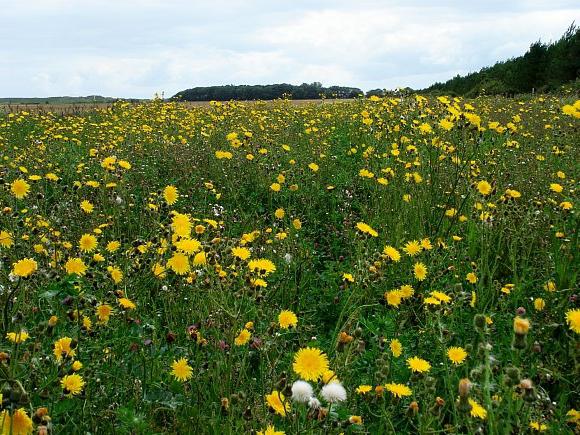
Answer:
(134, 48)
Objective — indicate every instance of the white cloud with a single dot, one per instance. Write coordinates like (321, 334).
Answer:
(133, 48)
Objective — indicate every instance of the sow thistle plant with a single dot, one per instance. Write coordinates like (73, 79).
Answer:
(397, 264)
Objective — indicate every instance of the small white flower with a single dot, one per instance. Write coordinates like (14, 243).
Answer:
(118, 200)
(301, 391)
(314, 403)
(288, 258)
(334, 392)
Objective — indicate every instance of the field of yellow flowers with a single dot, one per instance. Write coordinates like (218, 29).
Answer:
(395, 265)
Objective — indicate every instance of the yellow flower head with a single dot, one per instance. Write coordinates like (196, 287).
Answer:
(24, 267)
(170, 194)
(287, 319)
(72, 384)
(456, 354)
(310, 363)
(418, 365)
(20, 188)
(181, 370)
(278, 402)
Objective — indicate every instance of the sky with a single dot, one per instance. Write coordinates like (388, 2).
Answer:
(136, 48)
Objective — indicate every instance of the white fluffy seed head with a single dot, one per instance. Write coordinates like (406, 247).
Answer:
(301, 391)
(334, 392)
(314, 403)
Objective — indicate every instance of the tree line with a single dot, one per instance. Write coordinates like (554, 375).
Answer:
(305, 91)
(543, 68)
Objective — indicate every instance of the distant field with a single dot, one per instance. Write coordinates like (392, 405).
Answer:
(74, 108)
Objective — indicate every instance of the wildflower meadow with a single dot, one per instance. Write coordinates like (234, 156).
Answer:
(397, 264)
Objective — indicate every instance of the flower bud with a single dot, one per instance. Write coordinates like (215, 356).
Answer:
(413, 409)
(464, 389)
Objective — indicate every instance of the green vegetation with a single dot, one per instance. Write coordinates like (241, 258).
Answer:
(544, 67)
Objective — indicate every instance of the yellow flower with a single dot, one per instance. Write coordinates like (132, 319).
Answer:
(521, 325)
(20, 188)
(63, 348)
(179, 263)
(278, 403)
(127, 304)
(539, 304)
(484, 187)
(87, 243)
(392, 253)
(116, 274)
(17, 337)
(329, 376)
(363, 389)
(181, 224)
(24, 267)
(573, 416)
(103, 312)
(170, 194)
(420, 271)
(426, 244)
(6, 240)
(113, 246)
(471, 278)
(262, 266)
(108, 163)
(313, 167)
(275, 187)
(347, 277)
(555, 187)
(297, 224)
(77, 365)
(398, 390)
(223, 155)
(412, 248)
(440, 296)
(87, 207)
(241, 253)
(181, 370)
(271, 430)
(187, 245)
(456, 354)
(537, 426)
(279, 213)
(573, 320)
(159, 271)
(87, 323)
(355, 419)
(72, 384)
(393, 297)
(418, 365)
(396, 347)
(310, 363)
(75, 265)
(124, 164)
(19, 423)
(287, 319)
(200, 259)
(243, 337)
(513, 193)
(477, 410)
(367, 229)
